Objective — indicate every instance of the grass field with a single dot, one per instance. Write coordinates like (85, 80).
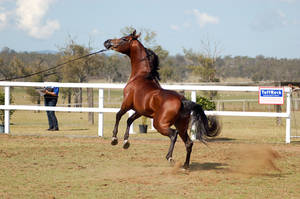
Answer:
(248, 160)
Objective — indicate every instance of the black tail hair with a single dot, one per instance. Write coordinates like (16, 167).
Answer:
(202, 126)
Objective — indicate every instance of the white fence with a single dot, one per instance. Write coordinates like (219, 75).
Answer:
(100, 109)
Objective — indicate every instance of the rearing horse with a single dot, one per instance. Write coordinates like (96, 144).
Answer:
(146, 97)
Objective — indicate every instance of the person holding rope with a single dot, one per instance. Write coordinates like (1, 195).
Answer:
(50, 97)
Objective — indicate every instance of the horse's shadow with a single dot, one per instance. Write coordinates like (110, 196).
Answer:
(206, 166)
(216, 166)
(221, 139)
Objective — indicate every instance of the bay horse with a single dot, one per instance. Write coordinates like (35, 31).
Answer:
(146, 97)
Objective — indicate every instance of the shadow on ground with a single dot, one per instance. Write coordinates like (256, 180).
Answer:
(195, 166)
(221, 139)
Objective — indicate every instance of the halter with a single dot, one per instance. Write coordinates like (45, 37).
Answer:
(123, 40)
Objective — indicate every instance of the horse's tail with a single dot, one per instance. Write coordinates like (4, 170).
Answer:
(202, 126)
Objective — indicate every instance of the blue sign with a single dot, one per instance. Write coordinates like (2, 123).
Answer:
(271, 95)
(271, 92)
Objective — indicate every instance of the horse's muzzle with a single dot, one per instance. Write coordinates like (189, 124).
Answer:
(108, 44)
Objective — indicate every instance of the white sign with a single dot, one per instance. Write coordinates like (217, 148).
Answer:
(271, 95)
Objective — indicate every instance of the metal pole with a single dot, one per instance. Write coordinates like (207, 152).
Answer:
(6, 112)
(288, 119)
(100, 115)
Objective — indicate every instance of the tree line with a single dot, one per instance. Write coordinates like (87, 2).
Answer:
(259, 68)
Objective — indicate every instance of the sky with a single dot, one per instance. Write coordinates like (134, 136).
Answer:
(235, 27)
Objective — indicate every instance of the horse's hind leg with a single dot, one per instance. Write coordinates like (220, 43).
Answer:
(129, 122)
(182, 126)
(173, 138)
(188, 145)
(119, 115)
(171, 133)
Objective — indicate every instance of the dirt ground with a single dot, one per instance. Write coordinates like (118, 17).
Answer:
(68, 167)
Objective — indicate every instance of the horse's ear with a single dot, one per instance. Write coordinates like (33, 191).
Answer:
(137, 36)
(134, 35)
(134, 32)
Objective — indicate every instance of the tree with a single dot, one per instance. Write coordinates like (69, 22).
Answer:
(114, 68)
(201, 66)
(76, 71)
(38, 65)
(167, 73)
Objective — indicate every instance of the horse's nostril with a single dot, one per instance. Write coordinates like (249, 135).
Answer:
(107, 44)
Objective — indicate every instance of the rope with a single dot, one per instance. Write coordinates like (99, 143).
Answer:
(54, 67)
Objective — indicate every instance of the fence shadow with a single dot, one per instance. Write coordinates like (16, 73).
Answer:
(75, 129)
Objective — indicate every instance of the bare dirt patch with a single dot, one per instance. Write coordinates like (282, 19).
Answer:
(254, 159)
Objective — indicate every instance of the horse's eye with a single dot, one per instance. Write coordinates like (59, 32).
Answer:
(124, 39)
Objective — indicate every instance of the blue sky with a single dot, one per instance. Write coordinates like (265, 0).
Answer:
(237, 27)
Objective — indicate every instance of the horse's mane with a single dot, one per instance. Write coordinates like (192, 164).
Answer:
(154, 65)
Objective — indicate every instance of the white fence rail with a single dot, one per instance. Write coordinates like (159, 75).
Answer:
(100, 109)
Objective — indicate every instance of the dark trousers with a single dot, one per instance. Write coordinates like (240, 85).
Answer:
(52, 120)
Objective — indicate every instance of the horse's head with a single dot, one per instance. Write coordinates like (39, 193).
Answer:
(121, 45)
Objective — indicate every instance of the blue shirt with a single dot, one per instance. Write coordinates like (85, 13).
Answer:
(53, 89)
(56, 90)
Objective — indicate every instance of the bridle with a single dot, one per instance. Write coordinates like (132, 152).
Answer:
(124, 40)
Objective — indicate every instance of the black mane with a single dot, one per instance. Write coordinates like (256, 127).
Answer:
(154, 65)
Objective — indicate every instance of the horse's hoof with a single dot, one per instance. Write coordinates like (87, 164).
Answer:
(126, 144)
(185, 167)
(171, 161)
(114, 141)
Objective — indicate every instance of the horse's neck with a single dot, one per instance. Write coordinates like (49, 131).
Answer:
(139, 62)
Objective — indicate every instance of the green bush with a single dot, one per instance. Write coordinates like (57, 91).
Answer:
(206, 103)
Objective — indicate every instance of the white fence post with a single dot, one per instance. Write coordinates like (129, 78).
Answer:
(193, 96)
(6, 112)
(152, 126)
(130, 113)
(194, 99)
(288, 119)
(100, 115)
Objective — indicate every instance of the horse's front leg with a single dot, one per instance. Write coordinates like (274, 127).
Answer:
(119, 115)
(129, 122)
